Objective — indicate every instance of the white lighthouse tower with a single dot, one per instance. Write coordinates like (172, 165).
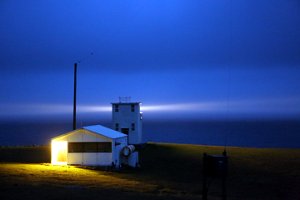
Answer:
(127, 118)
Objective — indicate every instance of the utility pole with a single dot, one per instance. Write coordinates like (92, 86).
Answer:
(74, 98)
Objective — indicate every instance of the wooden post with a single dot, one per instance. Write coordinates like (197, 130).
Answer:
(74, 99)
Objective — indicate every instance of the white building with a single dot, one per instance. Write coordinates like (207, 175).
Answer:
(100, 146)
(127, 118)
(93, 146)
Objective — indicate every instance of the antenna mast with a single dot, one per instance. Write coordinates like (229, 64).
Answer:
(74, 98)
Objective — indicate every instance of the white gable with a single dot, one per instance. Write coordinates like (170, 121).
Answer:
(90, 133)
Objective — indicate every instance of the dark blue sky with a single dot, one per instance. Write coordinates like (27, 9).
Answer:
(181, 58)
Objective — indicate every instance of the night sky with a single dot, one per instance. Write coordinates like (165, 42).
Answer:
(181, 58)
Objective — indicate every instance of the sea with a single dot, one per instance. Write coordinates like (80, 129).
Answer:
(240, 133)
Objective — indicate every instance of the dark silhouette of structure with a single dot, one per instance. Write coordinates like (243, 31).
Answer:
(214, 166)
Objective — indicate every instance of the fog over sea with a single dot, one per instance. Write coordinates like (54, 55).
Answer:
(243, 133)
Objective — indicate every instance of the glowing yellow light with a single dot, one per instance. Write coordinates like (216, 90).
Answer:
(59, 152)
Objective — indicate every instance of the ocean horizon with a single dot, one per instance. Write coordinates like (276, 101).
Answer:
(240, 133)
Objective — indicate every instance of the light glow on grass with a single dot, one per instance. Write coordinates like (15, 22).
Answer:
(59, 151)
(64, 177)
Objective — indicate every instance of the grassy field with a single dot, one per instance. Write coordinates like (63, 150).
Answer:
(168, 171)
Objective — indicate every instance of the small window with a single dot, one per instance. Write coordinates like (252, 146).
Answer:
(89, 147)
(104, 146)
(125, 130)
(74, 147)
(116, 108)
(132, 126)
(132, 108)
(117, 126)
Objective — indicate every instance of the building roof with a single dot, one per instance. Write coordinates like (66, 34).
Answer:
(107, 132)
(125, 103)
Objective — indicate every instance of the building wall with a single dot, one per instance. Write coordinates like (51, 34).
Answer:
(91, 159)
(124, 117)
(118, 149)
(99, 158)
